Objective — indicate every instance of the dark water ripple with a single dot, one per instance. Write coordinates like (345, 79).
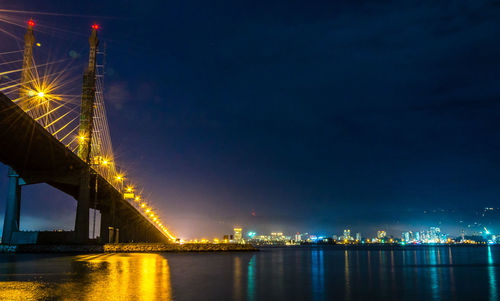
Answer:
(323, 273)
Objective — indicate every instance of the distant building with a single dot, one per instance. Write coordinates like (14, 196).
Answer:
(407, 236)
(276, 238)
(298, 237)
(358, 236)
(335, 237)
(347, 234)
(434, 234)
(381, 234)
(237, 234)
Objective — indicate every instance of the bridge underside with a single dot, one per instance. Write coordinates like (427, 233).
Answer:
(35, 156)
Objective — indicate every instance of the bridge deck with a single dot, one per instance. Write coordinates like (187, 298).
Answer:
(38, 157)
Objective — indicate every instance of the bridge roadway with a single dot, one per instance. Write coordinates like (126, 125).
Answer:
(38, 157)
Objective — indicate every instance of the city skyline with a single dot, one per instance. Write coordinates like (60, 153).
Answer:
(430, 236)
(408, 233)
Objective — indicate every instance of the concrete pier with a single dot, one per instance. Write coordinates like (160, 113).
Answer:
(12, 212)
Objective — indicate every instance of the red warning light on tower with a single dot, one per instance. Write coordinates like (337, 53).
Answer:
(31, 23)
(95, 27)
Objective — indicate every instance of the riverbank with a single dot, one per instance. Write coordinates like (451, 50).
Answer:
(374, 246)
(127, 248)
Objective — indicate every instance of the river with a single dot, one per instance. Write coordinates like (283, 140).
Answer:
(312, 273)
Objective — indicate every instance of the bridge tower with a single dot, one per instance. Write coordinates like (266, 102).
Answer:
(13, 209)
(88, 100)
(29, 41)
(85, 139)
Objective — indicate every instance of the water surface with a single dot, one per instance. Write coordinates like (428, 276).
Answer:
(323, 273)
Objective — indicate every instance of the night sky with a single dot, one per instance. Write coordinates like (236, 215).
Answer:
(290, 115)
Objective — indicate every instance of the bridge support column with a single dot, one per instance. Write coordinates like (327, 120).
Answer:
(106, 224)
(13, 210)
(82, 209)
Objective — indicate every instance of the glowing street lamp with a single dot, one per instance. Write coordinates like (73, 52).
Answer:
(81, 138)
(120, 178)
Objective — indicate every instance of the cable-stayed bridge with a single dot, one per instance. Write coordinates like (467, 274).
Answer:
(51, 136)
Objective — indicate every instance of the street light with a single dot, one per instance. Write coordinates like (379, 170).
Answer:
(120, 178)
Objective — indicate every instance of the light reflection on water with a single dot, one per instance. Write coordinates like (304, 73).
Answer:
(347, 280)
(251, 279)
(317, 273)
(237, 279)
(320, 273)
(491, 277)
(434, 277)
(95, 277)
(18, 290)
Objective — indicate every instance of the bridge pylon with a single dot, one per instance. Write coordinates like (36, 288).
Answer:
(29, 41)
(88, 100)
(85, 139)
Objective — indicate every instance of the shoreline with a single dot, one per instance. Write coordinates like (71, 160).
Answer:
(204, 248)
(375, 246)
(128, 248)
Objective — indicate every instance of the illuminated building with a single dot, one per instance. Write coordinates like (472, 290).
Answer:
(431, 236)
(237, 234)
(298, 237)
(381, 234)
(434, 234)
(276, 238)
(358, 236)
(407, 236)
(347, 234)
